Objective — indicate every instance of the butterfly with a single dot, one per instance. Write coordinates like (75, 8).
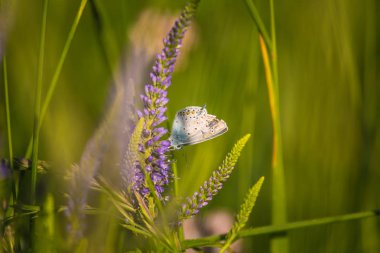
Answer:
(193, 125)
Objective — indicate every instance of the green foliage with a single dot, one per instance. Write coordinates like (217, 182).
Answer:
(139, 218)
(328, 82)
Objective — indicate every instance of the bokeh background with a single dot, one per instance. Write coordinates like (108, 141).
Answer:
(329, 100)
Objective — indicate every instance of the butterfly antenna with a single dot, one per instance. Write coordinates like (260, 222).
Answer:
(203, 108)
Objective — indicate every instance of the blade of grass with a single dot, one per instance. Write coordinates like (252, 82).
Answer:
(273, 230)
(37, 123)
(104, 37)
(15, 174)
(259, 23)
(7, 112)
(273, 47)
(37, 107)
(10, 211)
(278, 183)
(278, 244)
(57, 72)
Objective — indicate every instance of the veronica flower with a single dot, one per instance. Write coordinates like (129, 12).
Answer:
(152, 147)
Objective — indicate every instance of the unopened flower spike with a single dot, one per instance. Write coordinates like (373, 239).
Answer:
(212, 186)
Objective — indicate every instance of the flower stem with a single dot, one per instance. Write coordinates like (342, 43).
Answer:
(273, 230)
(176, 194)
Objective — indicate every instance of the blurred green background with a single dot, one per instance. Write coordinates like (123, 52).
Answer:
(329, 100)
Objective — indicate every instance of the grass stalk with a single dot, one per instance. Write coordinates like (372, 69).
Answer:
(273, 47)
(58, 70)
(259, 23)
(15, 176)
(7, 112)
(37, 108)
(271, 75)
(108, 52)
(278, 244)
(279, 213)
(278, 229)
(37, 122)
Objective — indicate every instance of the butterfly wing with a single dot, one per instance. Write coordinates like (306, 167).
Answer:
(212, 128)
(178, 135)
(193, 125)
(185, 124)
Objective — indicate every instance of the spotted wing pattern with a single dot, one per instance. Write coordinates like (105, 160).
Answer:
(193, 125)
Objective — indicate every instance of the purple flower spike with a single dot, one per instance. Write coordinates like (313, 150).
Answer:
(154, 100)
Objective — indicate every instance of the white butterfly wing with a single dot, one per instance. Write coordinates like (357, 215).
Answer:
(214, 127)
(193, 125)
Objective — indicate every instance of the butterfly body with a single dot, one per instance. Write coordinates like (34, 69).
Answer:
(193, 125)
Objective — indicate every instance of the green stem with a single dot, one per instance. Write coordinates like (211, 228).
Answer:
(278, 199)
(278, 191)
(155, 196)
(278, 243)
(273, 230)
(37, 109)
(7, 112)
(101, 23)
(15, 176)
(227, 245)
(259, 23)
(181, 237)
(175, 174)
(12, 201)
(166, 232)
(273, 47)
(57, 72)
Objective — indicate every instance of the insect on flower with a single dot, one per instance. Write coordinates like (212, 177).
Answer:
(193, 125)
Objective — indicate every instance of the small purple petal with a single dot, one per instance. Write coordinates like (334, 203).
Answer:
(150, 159)
(149, 143)
(165, 143)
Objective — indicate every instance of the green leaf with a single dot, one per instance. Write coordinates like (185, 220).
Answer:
(102, 185)
(137, 230)
(28, 208)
